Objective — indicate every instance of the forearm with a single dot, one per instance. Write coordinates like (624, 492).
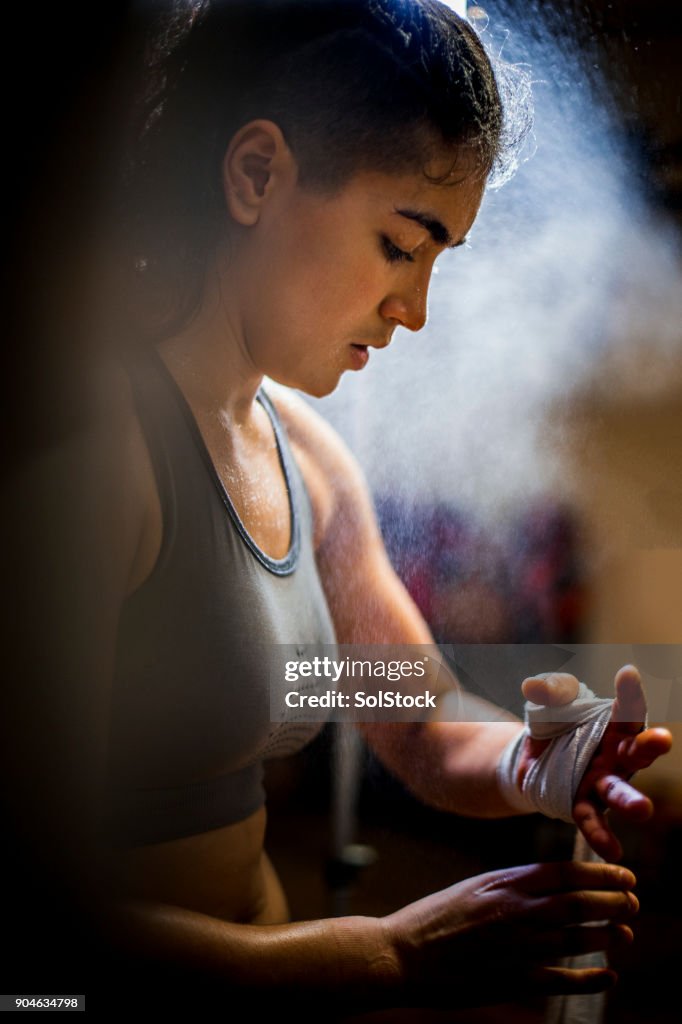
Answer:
(348, 960)
(448, 765)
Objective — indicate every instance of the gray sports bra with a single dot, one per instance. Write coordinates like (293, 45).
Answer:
(190, 722)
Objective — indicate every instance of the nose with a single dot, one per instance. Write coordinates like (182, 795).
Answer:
(407, 308)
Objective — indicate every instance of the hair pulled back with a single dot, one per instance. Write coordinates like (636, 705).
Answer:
(353, 85)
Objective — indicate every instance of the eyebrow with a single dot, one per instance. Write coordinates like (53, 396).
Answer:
(439, 233)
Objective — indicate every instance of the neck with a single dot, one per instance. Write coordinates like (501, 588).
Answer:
(209, 357)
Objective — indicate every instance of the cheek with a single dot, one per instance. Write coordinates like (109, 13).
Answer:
(334, 293)
(348, 279)
(330, 260)
(314, 283)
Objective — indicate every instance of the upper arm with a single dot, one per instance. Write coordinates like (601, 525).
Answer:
(368, 602)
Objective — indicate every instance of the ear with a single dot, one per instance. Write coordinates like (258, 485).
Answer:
(257, 162)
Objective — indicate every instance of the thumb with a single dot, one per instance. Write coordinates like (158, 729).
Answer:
(630, 703)
(550, 689)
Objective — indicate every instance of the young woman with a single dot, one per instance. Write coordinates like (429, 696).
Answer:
(301, 167)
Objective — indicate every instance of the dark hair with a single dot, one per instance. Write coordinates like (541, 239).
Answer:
(353, 85)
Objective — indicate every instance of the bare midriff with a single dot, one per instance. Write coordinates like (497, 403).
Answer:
(224, 873)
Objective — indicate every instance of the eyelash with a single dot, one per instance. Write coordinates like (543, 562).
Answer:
(393, 254)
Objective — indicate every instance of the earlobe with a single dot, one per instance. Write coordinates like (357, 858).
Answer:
(255, 161)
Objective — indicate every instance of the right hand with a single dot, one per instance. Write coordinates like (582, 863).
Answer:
(624, 749)
(498, 936)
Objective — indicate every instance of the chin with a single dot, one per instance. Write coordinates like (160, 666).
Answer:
(319, 388)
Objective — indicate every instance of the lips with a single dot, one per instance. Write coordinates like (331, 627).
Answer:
(360, 353)
(378, 343)
(359, 356)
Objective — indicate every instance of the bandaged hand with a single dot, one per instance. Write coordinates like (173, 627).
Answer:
(600, 746)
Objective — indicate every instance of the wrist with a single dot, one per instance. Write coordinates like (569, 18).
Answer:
(368, 960)
(507, 775)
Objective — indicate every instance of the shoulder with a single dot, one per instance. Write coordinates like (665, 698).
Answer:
(128, 480)
(87, 493)
(121, 432)
(311, 433)
(332, 475)
(367, 601)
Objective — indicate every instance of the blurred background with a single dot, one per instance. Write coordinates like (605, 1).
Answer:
(524, 451)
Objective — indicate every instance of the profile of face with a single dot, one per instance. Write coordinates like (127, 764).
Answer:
(322, 279)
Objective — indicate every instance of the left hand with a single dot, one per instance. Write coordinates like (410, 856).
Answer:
(624, 749)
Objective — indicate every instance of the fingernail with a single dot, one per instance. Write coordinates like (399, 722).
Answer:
(634, 902)
(627, 878)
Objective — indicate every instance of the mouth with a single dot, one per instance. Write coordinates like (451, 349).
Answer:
(360, 353)
(359, 356)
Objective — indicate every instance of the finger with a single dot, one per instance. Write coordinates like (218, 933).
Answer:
(620, 796)
(567, 876)
(592, 822)
(550, 689)
(593, 825)
(552, 981)
(583, 906)
(630, 703)
(640, 751)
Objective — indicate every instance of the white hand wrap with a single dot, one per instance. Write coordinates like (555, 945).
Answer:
(552, 781)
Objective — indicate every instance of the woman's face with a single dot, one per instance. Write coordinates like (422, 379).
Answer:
(324, 280)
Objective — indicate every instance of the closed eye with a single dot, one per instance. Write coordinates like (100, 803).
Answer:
(393, 254)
